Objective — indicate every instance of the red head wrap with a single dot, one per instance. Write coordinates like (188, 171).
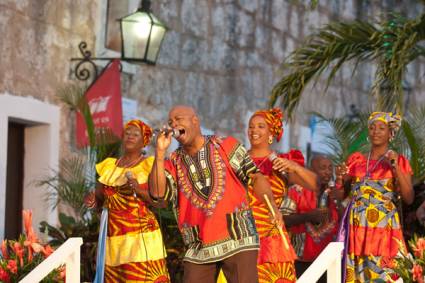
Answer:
(144, 128)
(273, 119)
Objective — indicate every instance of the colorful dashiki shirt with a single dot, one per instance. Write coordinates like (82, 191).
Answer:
(374, 232)
(275, 261)
(208, 191)
(134, 248)
(309, 239)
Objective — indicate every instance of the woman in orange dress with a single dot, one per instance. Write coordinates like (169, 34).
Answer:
(275, 259)
(130, 242)
(371, 226)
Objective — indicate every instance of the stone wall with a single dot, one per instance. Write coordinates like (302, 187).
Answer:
(222, 56)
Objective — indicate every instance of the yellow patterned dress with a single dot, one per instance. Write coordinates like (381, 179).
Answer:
(373, 224)
(134, 251)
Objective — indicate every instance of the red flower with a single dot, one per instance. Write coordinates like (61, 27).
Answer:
(417, 273)
(388, 262)
(395, 276)
(4, 252)
(4, 276)
(62, 273)
(19, 251)
(12, 266)
(31, 241)
(419, 247)
(47, 251)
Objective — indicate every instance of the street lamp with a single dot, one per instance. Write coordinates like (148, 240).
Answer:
(141, 37)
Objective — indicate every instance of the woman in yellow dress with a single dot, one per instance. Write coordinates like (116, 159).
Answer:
(130, 242)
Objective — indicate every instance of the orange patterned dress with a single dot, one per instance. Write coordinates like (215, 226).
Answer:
(275, 262)
(134, 247)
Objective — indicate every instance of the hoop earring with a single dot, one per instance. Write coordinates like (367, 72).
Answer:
(367, 138)
(270, 139)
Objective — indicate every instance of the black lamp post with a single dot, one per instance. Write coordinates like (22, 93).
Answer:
(141, 37)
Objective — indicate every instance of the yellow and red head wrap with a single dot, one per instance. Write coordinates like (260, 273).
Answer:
(392, 120)
(273, 119)
(144, 128)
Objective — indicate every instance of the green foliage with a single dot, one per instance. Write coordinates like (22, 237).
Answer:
(173, 242)
(86, 228)
(69, 185)
(347, 137)
(406, 262)
(391, 45)
(23, 263)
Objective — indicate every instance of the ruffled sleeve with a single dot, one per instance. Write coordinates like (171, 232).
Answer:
(109, 173)
(404, 165)
(105, 166)
(141, 171)
(294, 155)
(112, 175)
(353, 161)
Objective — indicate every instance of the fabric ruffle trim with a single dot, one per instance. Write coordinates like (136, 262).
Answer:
(356, 164)
(294, 155)
(112, 175)
(375, 241)
(272, 250)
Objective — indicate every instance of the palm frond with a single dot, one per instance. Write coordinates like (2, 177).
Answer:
(69, 185)
(391, 45)
(347, 137)
(415, 138)
(329, 48)
(73, 96)
(107, 144)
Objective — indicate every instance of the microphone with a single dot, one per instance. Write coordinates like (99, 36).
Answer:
(332, 187)
(392, 160)
(174, 132)
(272, 157)
(129, 176)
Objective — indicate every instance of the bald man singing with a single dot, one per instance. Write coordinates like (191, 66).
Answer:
(206, 181)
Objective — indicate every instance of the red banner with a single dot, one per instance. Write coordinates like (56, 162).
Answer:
(104, 100)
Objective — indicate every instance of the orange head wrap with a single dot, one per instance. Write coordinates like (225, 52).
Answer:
(273, 119)
(144, 128)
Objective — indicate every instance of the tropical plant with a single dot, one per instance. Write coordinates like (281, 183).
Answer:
(409, 265)
(347, 136)
(390, 44)
(68, 186)
(19, 257)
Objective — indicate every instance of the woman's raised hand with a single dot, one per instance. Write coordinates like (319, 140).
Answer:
(284, 165)
(341, 171)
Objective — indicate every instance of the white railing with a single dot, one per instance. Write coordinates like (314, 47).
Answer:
(329, 260)
(68, 253)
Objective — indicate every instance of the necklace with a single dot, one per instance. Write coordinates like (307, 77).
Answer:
(131, 164)
(368, 172)
(271, 156)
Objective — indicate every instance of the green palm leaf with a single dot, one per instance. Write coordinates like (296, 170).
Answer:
(329, 48)
(391, 45)
(346, 138)
(69, 184)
